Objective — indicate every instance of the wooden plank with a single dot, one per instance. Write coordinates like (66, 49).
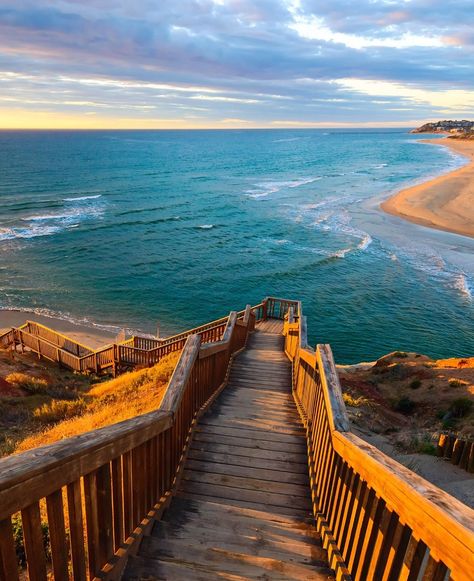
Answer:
(8, 559)
(247, 483)
(257, 497)
(248, 452)
(289, 448)
(282, 466)
(255, 543)
(57, 535)
(255, 472)
(34, 545)
(76, 531)
(224, 564)
(216, 510)
(244, 424)
(249, 433)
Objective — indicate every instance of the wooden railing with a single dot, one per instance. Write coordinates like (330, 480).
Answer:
(134, 352)
(99, 492)
(378, 519)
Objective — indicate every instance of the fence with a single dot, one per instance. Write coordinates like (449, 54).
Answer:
(378, 519)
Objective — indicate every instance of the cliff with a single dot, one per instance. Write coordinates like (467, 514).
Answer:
(447, 126)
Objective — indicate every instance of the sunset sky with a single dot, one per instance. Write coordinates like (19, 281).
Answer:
(234, 63)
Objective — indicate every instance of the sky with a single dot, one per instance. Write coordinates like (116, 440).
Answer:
(234, 63)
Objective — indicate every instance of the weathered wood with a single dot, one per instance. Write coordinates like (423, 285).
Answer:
(442, 521)
(457, 450)
(57, 535)
(34, 543)
(8, 560)
(346, 516)
(76, 531)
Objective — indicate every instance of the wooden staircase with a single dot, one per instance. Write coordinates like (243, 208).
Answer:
(243, 507)
(247, 469)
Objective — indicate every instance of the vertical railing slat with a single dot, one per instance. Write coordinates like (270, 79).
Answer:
(34, 542)
(57, 535)
(76, 531)
(8, 559)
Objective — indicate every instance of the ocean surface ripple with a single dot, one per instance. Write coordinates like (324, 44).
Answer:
(128, 229)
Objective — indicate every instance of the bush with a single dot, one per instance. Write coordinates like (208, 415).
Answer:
(59, 410)
(355, 402)
(461, 407)
(400, 354)
(19, 544)
(27, 382)
(456, 383)
(415, 384)
(427, 448)
(405, 406)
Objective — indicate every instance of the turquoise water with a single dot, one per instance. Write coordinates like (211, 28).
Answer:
(127, 229)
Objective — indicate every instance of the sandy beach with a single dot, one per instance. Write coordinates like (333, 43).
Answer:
(445, 203)
(89, 336)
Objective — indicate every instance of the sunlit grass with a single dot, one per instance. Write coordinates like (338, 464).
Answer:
(107, 403)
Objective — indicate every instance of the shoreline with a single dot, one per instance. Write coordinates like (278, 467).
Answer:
(443, 203)
(88, 335)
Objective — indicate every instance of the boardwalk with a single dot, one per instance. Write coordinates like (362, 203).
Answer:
(243, 509)
(224, 480)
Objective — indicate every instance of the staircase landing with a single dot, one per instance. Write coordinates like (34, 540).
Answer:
(243, 509)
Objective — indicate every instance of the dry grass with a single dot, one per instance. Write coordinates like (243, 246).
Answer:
(106, 403)
(29, 383)
(354, 401)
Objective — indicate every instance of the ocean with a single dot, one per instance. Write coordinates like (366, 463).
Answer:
(137, 229)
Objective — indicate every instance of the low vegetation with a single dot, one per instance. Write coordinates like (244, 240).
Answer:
(40, 404)
(411, 398)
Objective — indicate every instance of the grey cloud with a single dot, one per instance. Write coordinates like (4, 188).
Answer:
(242, 48)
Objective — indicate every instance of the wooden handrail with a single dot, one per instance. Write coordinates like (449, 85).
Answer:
(377, 518)
(92, 361)
(115, 479)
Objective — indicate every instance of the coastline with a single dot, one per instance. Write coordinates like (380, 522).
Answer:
(444, 203)
(87, 335)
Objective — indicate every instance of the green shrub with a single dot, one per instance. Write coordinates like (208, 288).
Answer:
(415, 384)
(461, 407)
(59, 410)
(19, 544)
(427, 448)
(405, 406)
(400, 354)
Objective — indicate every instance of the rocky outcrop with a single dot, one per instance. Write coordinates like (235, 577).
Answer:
(446, 126)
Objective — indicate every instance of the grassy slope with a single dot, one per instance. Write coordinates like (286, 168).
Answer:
(40, 404)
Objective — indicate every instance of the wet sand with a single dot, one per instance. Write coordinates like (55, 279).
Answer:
(88, 336)
(445, 203)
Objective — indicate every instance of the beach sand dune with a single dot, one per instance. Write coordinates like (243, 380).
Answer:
(445, 203)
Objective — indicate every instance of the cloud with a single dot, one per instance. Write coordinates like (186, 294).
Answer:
(260, 62)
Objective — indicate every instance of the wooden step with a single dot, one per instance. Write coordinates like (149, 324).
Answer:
(243, 507)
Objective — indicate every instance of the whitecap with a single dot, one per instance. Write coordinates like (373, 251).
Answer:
(82, 198)
(380, 165)
(461, 283)
(206, 226)
(365, 242)
(33, 232)
(264, 189)
(288, 139)
(44, 217)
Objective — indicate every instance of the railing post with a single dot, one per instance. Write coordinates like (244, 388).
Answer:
(264, 309)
